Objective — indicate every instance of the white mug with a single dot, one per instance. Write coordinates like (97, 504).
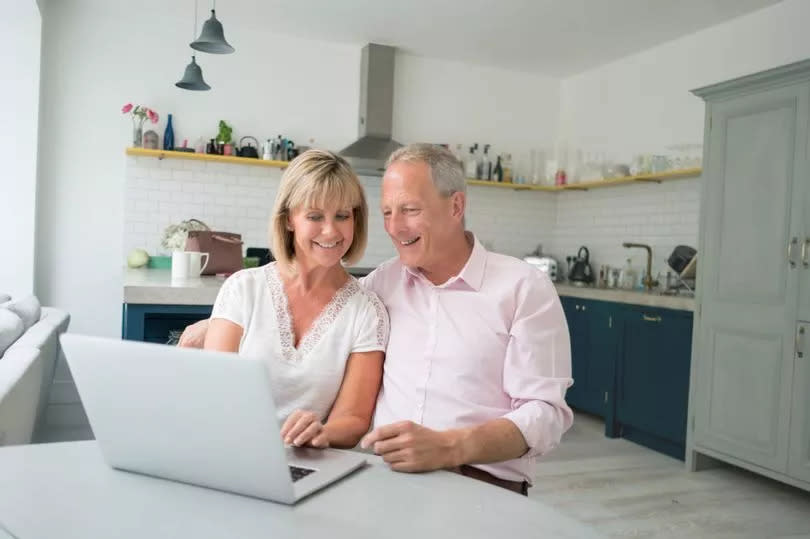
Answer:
(196, 265)
(180, 265)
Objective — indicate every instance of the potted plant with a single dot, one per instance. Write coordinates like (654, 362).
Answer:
(224, 137)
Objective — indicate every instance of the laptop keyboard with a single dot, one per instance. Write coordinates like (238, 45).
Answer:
(297, 473)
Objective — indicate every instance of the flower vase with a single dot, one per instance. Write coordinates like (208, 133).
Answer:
(137, 135)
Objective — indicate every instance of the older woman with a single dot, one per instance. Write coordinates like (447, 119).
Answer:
(323, 335)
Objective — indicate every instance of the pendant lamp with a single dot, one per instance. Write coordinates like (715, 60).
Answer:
(192, 77)
(212, 37)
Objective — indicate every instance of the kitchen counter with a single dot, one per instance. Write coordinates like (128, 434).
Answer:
(632, 297)
(155, 287)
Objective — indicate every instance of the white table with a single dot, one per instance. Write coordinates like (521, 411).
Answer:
(66, 490)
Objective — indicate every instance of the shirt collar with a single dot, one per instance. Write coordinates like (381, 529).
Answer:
(472, 273)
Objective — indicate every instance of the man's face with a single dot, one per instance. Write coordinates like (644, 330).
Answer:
(419, 220)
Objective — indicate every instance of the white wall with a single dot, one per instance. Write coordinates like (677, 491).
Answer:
(642, 103)
(451, 102)
(20, 37)
(95, 60)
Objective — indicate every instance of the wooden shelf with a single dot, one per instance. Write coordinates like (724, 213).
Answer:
(584, 186)
(167, 154)
(658, 178)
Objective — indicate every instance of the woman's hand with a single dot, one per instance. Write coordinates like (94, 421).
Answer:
(304, 428)
(194, 335)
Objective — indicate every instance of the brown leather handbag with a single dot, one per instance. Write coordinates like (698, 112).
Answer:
(224, 249)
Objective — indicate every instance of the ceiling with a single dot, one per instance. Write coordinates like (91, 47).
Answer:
(551, 37)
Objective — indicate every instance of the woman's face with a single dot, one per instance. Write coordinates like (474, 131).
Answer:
(322, 236)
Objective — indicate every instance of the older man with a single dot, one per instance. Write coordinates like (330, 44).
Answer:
(478, 359)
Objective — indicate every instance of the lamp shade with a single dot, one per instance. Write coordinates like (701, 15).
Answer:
(192, 78)
(212, 37)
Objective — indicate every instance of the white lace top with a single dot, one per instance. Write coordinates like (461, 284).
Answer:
(307, 377)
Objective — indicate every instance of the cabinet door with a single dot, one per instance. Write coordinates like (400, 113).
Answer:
(799, 461)
(804, 245)
(653, 377)
(575, 396)
(599, 347)
(748, 290)
(593, 354)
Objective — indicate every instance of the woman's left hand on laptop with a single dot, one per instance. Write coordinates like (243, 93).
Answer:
(303, 427)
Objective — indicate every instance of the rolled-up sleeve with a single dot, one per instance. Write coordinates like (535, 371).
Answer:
(537, 369)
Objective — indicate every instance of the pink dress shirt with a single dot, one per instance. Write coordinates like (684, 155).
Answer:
(491, 342)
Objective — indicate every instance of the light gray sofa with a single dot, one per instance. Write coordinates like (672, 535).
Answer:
(29, 351)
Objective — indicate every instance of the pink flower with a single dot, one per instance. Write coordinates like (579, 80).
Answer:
(153, 116)
(126, 108)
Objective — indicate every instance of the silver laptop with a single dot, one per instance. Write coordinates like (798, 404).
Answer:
(195, 416)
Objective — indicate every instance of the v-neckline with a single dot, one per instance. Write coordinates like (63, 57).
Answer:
(316, 329)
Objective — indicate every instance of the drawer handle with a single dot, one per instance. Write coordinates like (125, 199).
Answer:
(805, 262)
(799, 335)
(648, 318)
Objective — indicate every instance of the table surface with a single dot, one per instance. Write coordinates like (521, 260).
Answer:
(67, 490)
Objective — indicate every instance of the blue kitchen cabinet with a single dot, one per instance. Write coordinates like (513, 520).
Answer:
(159, 323)
(593, 356)
(652, 378)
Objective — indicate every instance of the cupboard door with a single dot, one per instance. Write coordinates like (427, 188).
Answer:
(748, 287)
(799, 460)
(653, 377)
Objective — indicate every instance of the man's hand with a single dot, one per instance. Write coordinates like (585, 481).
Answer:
(408, 447)
(304, 428)
(194, 335)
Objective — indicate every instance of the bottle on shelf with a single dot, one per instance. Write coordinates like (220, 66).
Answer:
(471, 164)
(486, 165)
(497, 172)
(507, 168)
(168, 135)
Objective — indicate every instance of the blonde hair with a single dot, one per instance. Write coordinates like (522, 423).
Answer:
(317, 178)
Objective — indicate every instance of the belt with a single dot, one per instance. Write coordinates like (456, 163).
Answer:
(521, 487)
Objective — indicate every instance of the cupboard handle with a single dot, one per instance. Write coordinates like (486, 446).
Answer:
(648, 318)
(805, 262)
(576, 307)
(583, 307)
(793, 242)
(799, 334)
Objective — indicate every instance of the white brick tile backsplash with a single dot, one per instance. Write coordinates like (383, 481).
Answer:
(239, 198)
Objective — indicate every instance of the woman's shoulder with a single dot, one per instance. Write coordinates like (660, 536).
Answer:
(250, 276)
(366, 300)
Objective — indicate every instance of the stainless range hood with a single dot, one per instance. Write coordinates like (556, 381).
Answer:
(368, 154)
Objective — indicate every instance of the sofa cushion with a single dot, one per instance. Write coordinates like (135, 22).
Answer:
(11, 327)
(27, 308)
(4, 297)
(55, 317)
(20, 379)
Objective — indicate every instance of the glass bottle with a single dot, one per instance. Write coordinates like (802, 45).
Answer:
(168, 135)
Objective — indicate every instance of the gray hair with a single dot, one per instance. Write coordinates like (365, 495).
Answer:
(446, 171)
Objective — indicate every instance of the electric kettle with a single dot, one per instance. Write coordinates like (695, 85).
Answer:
(580, 272)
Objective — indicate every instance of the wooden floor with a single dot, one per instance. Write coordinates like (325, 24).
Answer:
(625, 490)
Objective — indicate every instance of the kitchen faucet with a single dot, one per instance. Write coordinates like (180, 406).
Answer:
(649, 283)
